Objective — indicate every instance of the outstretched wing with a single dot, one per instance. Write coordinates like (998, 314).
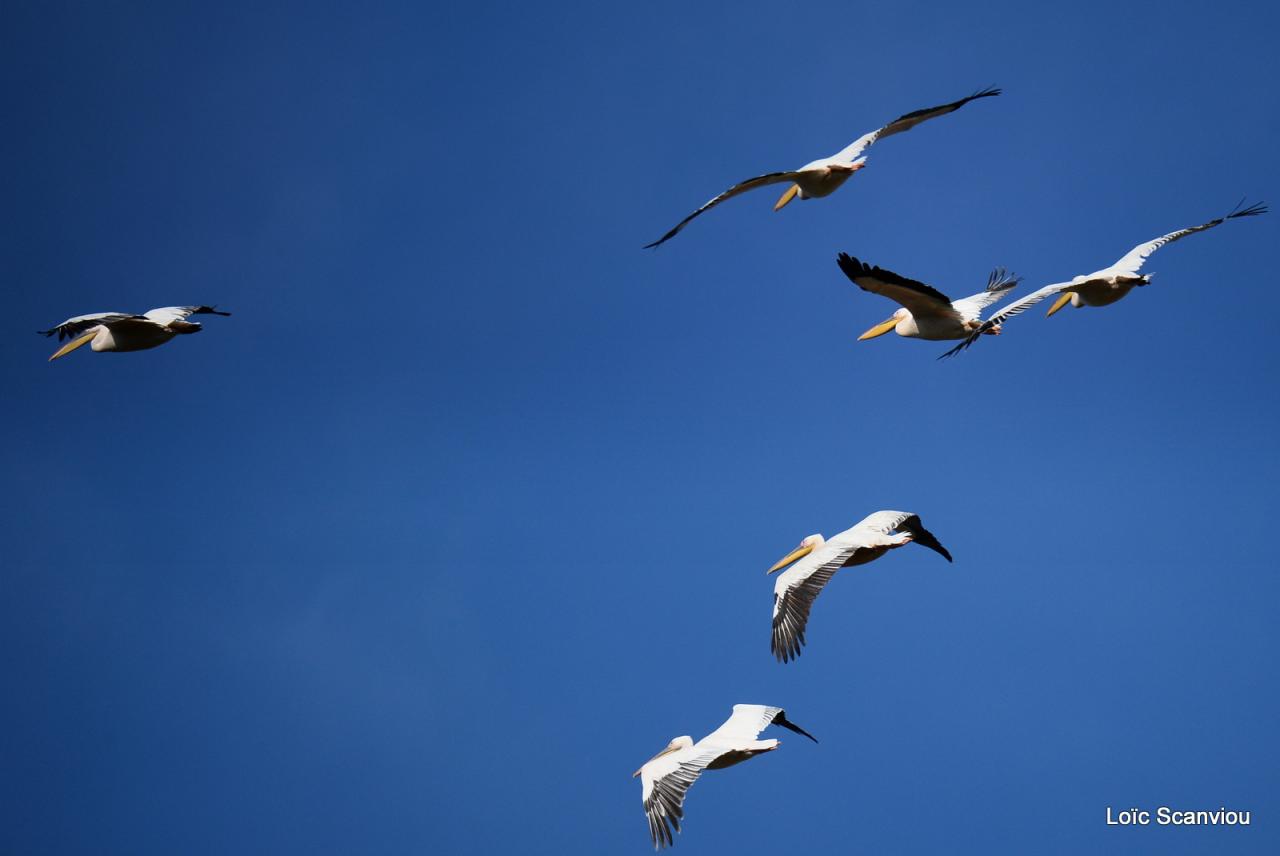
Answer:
(77, 325)
(998, 285)
(905, 123)
(1017, 307)
(745, 724)
(168, 314)
(886, 522)
(920, 300)
(796, 590)
(1133, 260)
(664, 783)
(738, 189)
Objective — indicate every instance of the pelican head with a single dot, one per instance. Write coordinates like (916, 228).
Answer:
(676, 745)
(807, 546)
(885, 326)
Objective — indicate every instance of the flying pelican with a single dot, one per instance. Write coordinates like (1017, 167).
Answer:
(668, 775)
(926, 313)
(823, 176)
(1102, 287)
(118, 331)
(799, 586)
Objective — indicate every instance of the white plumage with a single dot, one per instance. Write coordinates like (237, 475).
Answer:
(926, 313)
(824, 176)
(667, 776)
(816, 561)
(119, 331)
(1102, 287)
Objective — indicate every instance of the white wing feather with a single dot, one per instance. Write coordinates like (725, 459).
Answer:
(998, 285)
(1017, 307)
(168, 314)
(743, 726)
(1131, 262)
(738, 189)
(850, 153)
(80, 323)
(799, 586)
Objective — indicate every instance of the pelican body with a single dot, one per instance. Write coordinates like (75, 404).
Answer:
(926, 313)
(824, 176)
(815, 561)
(667, 776)
(118, 331)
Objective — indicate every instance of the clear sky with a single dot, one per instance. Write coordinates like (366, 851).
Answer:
(464, 513)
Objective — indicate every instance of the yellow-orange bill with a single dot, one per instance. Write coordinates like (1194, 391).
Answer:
(797, 553)
(880, 329)
(73, 344)
(787, 197)
(1062, 301)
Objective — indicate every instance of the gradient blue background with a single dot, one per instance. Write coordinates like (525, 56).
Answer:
(464, 513)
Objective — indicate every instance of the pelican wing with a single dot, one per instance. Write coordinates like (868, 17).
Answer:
(1133, 260)
(666, 779)
(918, 298)
(905, 123)
(738, 189)
(796, 590)
(745, 724)
(79, 324)
(998, 285)
(1017, 307)
(664, 782)
(886, 522)
(168, 314)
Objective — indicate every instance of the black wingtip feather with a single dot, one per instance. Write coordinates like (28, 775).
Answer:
(780, 719)
(1252, 211)
(1001, 280)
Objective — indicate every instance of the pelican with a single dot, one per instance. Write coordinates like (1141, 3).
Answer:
(926, 313)
(823, 176)
(799, 586)
(118, 331)
(1102, 287)
(666, 777)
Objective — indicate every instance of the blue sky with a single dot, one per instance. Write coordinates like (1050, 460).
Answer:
(464, 513)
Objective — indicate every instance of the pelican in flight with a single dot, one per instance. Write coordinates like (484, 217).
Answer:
(816, 561)
(119, 331)
(823, 176)
(668, 775)
(1102, 287)
(926, 313)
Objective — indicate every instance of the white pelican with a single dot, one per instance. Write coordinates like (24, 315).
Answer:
(668, 775)
(118, 331)
(799, 586)
(823, 176)
(1102, 287)
(926, 313)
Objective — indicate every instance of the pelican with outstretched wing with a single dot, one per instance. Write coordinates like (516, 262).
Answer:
(667, 776)
(816, 561)
(926, 313)
(119, 331)
(1103, 287)
(825, 175)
